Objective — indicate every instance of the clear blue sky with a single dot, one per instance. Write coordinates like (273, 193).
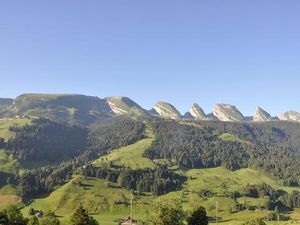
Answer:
(245, 53)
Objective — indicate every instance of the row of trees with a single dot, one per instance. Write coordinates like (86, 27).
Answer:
(13, 216)
(170, 213)
(158, 181)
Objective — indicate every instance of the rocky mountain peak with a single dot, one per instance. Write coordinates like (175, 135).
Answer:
(226, 112)
(289, 116)
(261, 115)
(166, 110)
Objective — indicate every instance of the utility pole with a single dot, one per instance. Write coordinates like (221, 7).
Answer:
(217, 206)
(131, 202)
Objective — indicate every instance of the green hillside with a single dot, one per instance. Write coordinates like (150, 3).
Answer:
(109, 203)
(5, 103)
(6, 123)
(101, 199)
(129, 156)
(236, 171)
(61, 107)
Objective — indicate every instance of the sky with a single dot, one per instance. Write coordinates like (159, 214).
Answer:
(245, 53)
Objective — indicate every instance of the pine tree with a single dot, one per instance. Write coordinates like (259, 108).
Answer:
(14, 216)
(33, 221)
(81, 217)
(198, 217)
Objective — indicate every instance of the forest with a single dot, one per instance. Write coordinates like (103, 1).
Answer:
(269, 147)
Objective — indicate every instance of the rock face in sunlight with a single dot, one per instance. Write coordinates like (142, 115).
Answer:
(166, 110)
(289, 116)
(125, 106)
(226, 112)
(261, 115)
(197, 112)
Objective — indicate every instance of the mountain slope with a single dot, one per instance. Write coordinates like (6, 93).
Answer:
(226, 112)
(5, 103)
(69, 108)
(261, 115)
(166, 110)
(289, 116)
(125, 106)
(196, 112)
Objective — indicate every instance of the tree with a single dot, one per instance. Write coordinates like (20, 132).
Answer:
(81, 217)
(14, 216)
(31, 212)
(49, 219)
(3, 218)
(167, 214)
(258, 221)
(33, 221)
(198, 217)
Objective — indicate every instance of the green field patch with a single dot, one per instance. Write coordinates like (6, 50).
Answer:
(98, 196)
(129, 156)
(231, 137)
(108, 203)
(6, 123)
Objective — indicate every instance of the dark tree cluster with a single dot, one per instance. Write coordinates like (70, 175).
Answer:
(291, 200)
(47, 140)
(115, 133)
(158, 181)
(272, 147)
(261, 190)
(192, 147)
(42, 180)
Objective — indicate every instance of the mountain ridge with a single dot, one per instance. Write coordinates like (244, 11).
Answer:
(84, 109)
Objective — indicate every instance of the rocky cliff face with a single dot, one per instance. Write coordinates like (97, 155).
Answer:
(226, 112)
(125, 106)
(289, 116)
(261, 115)
(85, 110)
(166, 110)
(197, 112)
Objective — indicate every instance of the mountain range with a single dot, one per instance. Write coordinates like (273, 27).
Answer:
(82, 109)
(61, 151)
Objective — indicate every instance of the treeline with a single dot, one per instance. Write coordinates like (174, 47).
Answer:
(266, 134)
(43, 180)
(158, 181)
(192, 147)
(114, 133)
(13, 216)
(268, 147)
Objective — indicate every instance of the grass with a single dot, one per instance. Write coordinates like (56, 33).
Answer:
(231, 137)
(106, 203)
(6, 123)
(8, 196)
(221, 182)
(94, 194)
(7, 200)
(7, 163)
(130, 156)
(109, 203)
